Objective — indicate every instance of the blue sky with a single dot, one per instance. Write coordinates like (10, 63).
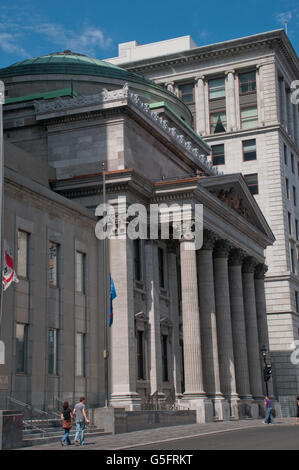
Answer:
(29, 28)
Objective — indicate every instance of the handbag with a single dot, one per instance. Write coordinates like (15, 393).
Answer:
(66, 424)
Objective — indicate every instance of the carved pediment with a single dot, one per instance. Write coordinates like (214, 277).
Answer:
(233, 200)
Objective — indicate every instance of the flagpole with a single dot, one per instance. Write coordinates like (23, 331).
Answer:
(2, 99)
(106, 352)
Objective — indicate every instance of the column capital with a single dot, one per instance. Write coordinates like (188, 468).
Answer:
(230, 71)
(172, 246)
(222, 249)
(260, 271)
(236, 257)
(199, 77)
(209, 240)
(249, 265)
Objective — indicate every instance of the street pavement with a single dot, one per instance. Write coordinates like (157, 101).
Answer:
(228, 435)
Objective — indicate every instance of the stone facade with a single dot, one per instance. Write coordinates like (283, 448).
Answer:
(276, 133)
(176, 332)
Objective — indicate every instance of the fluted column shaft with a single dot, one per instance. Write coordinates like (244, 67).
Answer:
(199, 95)
(208, 318)
(238, 324)
(174, 308)
(253, 349)
(231, 101)
(191, 327)
(223, 316)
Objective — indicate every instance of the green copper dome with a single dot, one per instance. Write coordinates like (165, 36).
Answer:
(69, 63)
(61, 67)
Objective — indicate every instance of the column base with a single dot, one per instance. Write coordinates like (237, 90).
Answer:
(130, 401)
(248, 409)
(202, 405)
(221, 409)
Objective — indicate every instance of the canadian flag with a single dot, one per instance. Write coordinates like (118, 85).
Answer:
(8, 273)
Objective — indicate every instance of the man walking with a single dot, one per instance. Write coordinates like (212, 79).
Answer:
(269, 416)
(81, 419)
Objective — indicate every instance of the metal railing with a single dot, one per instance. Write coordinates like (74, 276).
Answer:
(37, 420)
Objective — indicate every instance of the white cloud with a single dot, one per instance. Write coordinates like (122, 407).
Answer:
(284, 17)
(88, 41)
(29, 27)
(10, 44)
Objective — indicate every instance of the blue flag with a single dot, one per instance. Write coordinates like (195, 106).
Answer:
(112, 297)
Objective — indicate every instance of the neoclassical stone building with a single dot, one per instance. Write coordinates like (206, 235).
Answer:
(188, 323)
(239, 93)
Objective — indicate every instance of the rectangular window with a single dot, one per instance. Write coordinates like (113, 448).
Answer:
(140, 355)
(287, 188)
(294, 196)
(165, 357)
(290, 223)
(218, 122)
(292, 163)
(21, 348)
(52, 352)
(218, 157)
(297, 301)
(216, 88)
(80, 354)
(285, 153)
(252, 183)
(137, 260)
(80, 272)
(53, 264)
(22, 264)
(296, 228)
(247, 82)
(161, 267)
(186, 93)
(249, 150)
(249, 118)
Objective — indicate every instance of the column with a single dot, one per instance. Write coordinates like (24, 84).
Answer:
(260, 95)
(231, 101)
(238, 324)
(296, 124)
(191, 327)
(290, 114)
(253, 349)
(283, 110)
(200, 108)
(194, 391)
(170, 87)
(261, 313)
(123, 351)
(153, 313)
(208, 326)
(174, 315)
(224, 326)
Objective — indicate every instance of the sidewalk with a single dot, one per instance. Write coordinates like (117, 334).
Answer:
(150, 436)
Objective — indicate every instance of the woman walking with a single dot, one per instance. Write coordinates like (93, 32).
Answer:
(66, 416)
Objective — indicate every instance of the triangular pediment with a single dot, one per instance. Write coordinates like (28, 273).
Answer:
(233, 192)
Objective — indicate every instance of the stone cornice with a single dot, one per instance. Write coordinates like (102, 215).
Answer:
(270, 39)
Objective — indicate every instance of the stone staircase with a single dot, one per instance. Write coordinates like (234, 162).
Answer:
(44, 431)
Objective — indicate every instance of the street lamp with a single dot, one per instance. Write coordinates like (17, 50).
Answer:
(267, 368)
